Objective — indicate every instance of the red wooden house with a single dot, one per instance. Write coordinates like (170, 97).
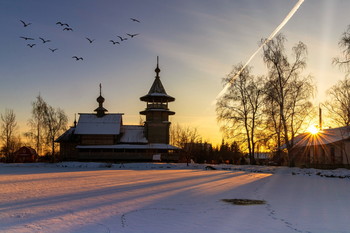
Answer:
(25, 155)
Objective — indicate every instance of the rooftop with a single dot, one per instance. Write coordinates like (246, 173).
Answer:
(90, 123)
(323, 137)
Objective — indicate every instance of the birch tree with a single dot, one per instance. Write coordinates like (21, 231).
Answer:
(344, 43)
(55, 121)
(36, 124)
(239, 109)
(180, 136)
(288, 92)
(185, 138)
(46, 124)
(8, 131)
(338, 102)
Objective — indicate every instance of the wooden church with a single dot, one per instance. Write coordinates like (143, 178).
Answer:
(102, 136)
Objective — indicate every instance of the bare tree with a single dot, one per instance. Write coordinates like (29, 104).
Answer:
(272, 122)
(55, 123)
(185, 138)
(45, 124)
(182, 135)
(344, 43)
(36, 124)
(287, 91)
(338, 103)
(8, 131)
(239, 109)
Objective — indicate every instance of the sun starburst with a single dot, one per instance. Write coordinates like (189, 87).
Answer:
(313, 129)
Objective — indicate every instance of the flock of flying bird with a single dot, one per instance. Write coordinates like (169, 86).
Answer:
(66, 27)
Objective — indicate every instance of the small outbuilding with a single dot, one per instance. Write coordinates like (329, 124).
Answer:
(25, 155)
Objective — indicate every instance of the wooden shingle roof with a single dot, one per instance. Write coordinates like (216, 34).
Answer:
(157, 92)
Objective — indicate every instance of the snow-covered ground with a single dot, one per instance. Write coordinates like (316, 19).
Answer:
(171, 198)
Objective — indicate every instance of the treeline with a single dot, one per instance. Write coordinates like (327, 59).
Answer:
(263, 114)
(195, 149)
(45, 125)
(229, 153)
(266, 112)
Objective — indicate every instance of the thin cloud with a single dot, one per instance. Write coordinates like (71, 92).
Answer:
(271, 36)
(194, 59)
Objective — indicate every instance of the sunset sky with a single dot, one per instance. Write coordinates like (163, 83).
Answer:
(197, 41)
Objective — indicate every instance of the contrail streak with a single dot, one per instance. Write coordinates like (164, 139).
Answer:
(272, 35)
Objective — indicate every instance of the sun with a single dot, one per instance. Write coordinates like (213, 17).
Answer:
(313, 129)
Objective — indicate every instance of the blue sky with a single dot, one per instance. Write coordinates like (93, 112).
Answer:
(197, 41)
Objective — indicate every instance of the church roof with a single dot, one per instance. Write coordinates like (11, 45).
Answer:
(157, 92)
(133, 134)
(108, 124)
(66, 136)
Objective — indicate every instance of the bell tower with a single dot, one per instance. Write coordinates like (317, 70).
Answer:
(157, 124)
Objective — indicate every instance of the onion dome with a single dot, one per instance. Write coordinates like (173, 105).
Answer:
(100, 111)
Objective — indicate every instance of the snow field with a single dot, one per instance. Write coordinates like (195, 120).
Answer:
(172, 198)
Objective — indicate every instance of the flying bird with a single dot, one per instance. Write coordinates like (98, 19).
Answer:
(52, 50)
(114, 42)
(90, 40)
(131, 35)
(31, 45)
(62, 24)
(135, 20)
(67, 29)
(77, 58)
(122, 39)
(26, 38)
(25, 24)
(44, 41)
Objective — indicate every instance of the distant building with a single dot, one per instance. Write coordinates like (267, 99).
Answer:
(329, 148)
(25, 154)
(101, 136)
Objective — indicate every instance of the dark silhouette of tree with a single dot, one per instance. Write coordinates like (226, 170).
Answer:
(199, 151)
(239, 110)
(338, 103)
(344, 43)
(45, 125)
(36, 124)
(181, 135)
(288, 93)
(184, 137)
(8, 132)
(55, 124)
(230, 153)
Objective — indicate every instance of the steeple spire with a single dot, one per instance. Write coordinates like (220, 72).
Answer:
(101, 111)
(157, 91)
(157, 70)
